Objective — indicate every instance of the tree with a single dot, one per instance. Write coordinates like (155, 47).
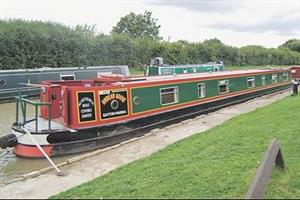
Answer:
(141, 25)
(86, 30)
(292, 44)
(34, 44)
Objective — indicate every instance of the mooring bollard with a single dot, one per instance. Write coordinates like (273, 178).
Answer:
(264, 171)
(295, 87)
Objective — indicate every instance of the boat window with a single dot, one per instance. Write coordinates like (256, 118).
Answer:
(137, 100)
(251, 82)
(285, 76)
(67, 77)
(168, 95)
(263, 80)
(201, 90)
(216, 69)
(185, 70)
(274, 78)
(223, 86)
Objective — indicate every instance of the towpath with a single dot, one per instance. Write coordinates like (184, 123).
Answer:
(47, 184)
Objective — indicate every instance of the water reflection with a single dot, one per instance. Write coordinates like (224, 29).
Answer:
(10, 165)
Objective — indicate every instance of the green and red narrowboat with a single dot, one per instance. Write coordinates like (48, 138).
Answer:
(75, 115)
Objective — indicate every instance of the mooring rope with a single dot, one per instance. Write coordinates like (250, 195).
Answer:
(59, 172)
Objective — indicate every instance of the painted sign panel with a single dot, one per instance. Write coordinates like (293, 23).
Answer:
(167, 70)
(86, 106)
(113, 103)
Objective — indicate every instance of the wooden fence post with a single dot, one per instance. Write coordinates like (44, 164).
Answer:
(264, 171)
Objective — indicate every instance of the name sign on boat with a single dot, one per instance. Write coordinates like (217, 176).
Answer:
(113, 103)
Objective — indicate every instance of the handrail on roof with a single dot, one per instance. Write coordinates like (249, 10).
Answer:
(112, 78)
(36, 85)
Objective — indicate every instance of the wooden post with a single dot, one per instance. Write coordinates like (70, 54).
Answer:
(264, 171)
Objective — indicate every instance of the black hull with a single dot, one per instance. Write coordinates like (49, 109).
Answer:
(88, 139)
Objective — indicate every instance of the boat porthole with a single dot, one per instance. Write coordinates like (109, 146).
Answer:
(2, 82)
(114, 104)
(136, 100)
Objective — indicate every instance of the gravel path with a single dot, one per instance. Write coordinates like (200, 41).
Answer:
(47, 184)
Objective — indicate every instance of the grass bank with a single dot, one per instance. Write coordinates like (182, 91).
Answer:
(218, 164)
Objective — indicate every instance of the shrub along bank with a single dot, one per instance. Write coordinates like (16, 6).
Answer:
(35, 44)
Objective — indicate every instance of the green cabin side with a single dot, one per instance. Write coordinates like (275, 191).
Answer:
(154, 70)
(149, 98)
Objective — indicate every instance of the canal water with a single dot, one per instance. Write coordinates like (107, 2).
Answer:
(12, 166)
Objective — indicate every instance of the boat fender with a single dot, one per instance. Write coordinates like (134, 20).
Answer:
(9, 140)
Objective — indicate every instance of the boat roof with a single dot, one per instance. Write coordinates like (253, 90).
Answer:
(205, 75)
(50, 69)
(133, 81)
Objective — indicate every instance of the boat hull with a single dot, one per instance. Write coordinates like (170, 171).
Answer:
(69, 142)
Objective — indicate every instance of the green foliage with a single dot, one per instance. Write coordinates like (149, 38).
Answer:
(35, 44)
(219, 163)
(141, 25)
(292, 44)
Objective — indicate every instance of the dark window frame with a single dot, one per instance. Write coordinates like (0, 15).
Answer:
(226, 83)
(175, 92)
(274, 78)
(263, 80)
(63, 76)
(251, 79)
(201, 94)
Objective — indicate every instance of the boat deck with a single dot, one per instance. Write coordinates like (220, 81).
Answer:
(43, 125)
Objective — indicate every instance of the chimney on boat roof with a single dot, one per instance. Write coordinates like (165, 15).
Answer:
(157, 61)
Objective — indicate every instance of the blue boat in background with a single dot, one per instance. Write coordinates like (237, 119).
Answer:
(10, 79)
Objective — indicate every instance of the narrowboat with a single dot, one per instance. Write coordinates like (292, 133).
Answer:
(295, 73)
(76, 115)
(9, 79)
(157, 67)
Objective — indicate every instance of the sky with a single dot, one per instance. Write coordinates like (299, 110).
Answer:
(235, 22)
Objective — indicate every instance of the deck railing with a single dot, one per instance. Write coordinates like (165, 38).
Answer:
(22, 101)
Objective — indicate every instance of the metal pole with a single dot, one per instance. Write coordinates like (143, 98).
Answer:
(22, 108)
(24, 112)
(59, 172)
(17, 111)
(49, 116)
(49, 111)
(36, 118)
